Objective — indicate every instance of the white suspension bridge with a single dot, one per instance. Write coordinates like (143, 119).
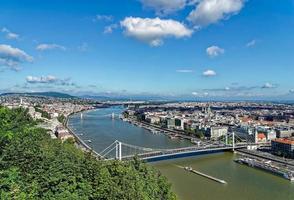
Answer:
(122, 151)
(112, 115)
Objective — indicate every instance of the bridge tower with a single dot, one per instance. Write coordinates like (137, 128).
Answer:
(118, 150)
(256, 136)
(233, 141)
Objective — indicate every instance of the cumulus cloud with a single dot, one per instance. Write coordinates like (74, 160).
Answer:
(44, 47)
(184, 71)
(214, 51)
(200, 94)
(41, 79)
(9, 35)
(12, 57)
(251, 43)
(163, 7)
(195, 93)
(209, 73)
(269, 85)
(153, 30)
(109, 29)
(211, 11)
(49, 80)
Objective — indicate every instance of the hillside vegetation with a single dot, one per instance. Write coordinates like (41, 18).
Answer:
(34, 166)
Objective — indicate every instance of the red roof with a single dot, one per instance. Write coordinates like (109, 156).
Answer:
(284, 140)
(261, 136)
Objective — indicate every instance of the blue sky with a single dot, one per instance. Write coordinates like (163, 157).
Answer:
(231, 49)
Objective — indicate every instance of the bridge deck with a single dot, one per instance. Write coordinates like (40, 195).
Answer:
(178, 153)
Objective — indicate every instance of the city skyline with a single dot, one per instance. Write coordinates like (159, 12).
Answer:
(202, 49)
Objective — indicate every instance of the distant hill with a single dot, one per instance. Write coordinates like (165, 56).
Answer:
(44, 94)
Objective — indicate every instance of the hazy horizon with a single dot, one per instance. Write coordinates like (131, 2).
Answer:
(179, 49)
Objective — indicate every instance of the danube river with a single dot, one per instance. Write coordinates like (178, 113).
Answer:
(243, 182)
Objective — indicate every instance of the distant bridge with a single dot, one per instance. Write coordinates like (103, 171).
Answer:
(112, 115)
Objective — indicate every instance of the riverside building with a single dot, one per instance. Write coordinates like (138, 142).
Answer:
(283, 147)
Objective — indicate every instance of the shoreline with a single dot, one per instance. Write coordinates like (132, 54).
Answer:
(172, 134)
(81, 143)
(85, 147)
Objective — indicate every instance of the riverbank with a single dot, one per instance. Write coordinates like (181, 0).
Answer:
(257, 154)
(172, 134)
(79, 142)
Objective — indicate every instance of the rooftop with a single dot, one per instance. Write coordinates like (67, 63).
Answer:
(285, 140)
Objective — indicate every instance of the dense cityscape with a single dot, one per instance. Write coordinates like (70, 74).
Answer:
(267, 129)
(146, 100)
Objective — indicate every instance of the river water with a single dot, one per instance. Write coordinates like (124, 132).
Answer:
(244, 183)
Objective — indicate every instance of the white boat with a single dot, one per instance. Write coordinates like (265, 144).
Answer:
(289, 176)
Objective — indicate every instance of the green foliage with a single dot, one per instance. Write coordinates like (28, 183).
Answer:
(43, 113)
(196, 133)
(34, 166)
(61, 118)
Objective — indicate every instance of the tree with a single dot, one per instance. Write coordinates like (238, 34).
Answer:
(61, 118)
(34, 166)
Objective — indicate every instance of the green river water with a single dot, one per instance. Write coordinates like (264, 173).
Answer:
(244, 183)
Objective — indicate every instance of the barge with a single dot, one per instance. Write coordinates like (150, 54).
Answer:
(267, 166)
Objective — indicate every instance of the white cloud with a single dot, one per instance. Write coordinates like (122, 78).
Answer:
(9, 34)
(251, 43)
(49, 80)
(103, 18)
(291, 91)
(211, 11)
(184, 71)
(214, 51)
(41, 79)
(153, 30)
(12, 36)
(44, 47)
(195, 93)
(209, 73)
(11, 57)
(269, 85)
(109, 29)
(163, 7)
